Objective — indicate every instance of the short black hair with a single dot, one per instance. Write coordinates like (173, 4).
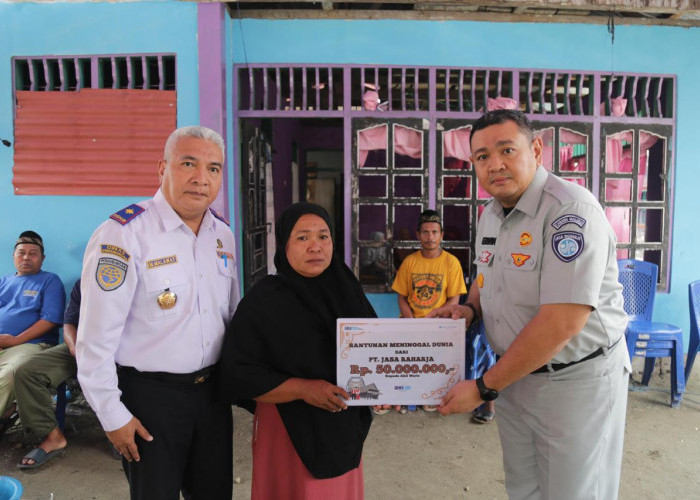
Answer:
(429, 216)
(498, 116)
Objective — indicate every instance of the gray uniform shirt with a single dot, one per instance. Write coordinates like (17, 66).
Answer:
(555, 247)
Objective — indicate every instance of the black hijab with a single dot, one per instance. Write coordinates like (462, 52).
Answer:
(285, 327)
(333, 294)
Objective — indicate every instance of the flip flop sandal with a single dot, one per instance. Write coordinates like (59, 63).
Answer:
(39, 456)
(381, 411)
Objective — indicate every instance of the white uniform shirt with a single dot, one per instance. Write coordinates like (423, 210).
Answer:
(555, 247)
(127, 266)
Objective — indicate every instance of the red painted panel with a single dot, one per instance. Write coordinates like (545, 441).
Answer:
(102, 142)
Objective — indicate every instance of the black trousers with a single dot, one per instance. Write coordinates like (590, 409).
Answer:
(192, 445)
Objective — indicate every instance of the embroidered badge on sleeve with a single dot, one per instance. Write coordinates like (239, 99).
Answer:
(110, 273)
(568, 219)
(115, 250)
(567, 245)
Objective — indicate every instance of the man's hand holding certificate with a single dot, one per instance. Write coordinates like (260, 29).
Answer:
(399, 361)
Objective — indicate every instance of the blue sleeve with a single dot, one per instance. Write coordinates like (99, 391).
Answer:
(53, 300)
(73, 311)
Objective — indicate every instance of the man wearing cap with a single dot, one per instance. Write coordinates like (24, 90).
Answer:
(31, 310)
(430, 277)
(158, 290)
(548, 292)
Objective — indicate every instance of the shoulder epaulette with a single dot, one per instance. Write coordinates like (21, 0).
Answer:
(126, 215)
(220, 217)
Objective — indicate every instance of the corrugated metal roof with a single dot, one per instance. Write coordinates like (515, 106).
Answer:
(103, 142)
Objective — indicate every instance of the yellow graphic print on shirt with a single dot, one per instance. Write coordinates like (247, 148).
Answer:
(427, 288)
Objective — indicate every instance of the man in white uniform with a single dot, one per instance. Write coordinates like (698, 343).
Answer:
(158, 289)
(548, 292)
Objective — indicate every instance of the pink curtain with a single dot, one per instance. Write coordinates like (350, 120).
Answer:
(617, 106)
(371, 139)
(408, 142)
(456, 144)
(565, 154)
(646, 141)
(619, 159)
(570, 137)
(614, 152)
(619, 218)
(547, 136)
(501, 103)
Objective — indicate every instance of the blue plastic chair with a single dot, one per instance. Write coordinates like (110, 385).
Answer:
(645, 337)
(10, 488)
(479, 354)
(694, 343)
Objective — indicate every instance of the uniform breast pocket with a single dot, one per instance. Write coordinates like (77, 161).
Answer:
(225, 268)
(166, 292)
(522, 276)
(225, 275)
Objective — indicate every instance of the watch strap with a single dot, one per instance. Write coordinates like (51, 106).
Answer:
(475, 318)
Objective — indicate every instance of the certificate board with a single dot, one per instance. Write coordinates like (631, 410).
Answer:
(399, 361)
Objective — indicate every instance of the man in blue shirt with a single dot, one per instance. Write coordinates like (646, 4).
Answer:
(31, 310)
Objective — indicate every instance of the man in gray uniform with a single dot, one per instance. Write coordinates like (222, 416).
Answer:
(548, 292)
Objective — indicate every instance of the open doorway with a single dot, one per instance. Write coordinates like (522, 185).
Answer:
(285, 160)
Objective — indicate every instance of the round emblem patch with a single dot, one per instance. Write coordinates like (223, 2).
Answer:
(567, 245)
(525, 239)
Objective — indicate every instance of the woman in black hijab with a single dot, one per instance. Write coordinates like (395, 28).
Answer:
(280, 351)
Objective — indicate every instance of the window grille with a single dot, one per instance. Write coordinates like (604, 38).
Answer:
(73, 73)
(635, 191)
(390, 190)
(569, 110)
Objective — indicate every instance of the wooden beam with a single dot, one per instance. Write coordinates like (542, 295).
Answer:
(652, 6)
(461, 16)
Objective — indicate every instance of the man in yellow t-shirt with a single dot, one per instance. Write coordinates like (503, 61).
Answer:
(430, 277)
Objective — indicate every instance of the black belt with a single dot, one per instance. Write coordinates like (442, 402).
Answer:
(197, 377)
(560, 366)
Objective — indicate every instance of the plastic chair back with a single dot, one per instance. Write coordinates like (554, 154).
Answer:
(694, 335)
(10, 488)
(638, 279)
(694, 296)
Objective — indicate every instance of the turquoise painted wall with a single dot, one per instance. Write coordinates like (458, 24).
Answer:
(109, 28)
(556, 46)
(26, 29)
